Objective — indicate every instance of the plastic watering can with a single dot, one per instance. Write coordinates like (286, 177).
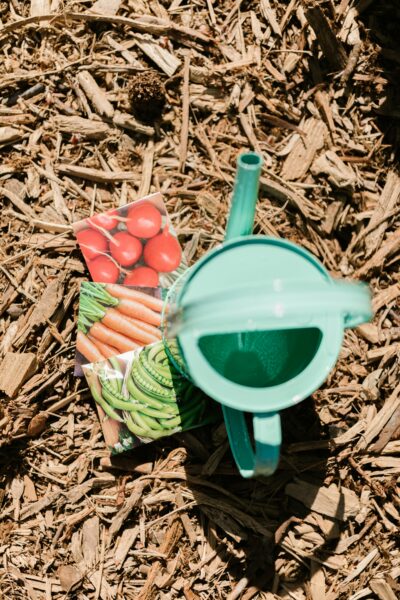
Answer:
(258, 323)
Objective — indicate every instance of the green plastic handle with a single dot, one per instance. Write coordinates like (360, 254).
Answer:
(265, 307)
(267, 434)
(266, 426)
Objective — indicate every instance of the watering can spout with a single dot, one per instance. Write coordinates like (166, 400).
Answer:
(244, 197)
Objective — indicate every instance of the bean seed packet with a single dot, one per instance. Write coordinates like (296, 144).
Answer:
(141, 397)
(134, 244)
(114, 319)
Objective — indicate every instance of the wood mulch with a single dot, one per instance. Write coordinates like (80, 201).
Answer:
(101, 103)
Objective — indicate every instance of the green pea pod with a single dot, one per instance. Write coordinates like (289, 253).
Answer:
(138, 395)
(130, 423)
(116, 402)
(106, 407)
(145, 381)
(183, 416)
(193, 418)
(145, 421)
(161, 374)
(140, 431)
(109, 383)
(119, 380)
(171, 423)
(154, 412)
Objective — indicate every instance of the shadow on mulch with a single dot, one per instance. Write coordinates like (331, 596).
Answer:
(381, 22)
(246, 552)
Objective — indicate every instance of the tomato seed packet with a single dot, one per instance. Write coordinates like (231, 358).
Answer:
(141, 397)
(134, 244)
(114, 319)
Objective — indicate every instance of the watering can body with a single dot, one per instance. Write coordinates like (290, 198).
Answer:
(259, 324)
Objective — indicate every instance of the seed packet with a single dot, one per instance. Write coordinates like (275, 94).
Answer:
(142, 397)
(114, 319)
(134, 244)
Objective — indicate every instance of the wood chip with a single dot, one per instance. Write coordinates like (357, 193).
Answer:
(126, 121)
(331, 46)
(270, 16)
(382, 589)
(90, 542)
(9, 135)
(69, 576)
(44, 309)
(164, 59)
(389, 247)
(124, 544)
(95, 94)
(361, 566)
(95, 174)
(86, 128)
(387, 202)
(123, 514)
(15, 369)
(339, 174)
(105, 7)
(331, 502)
(382, 417)
(185, 114)
(302, 155)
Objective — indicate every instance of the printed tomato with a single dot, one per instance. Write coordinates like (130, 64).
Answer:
(92, 243)
(144, 220)
(125, 248)
(103, 270)
(142, 276)
(163, 252)
(106, 221)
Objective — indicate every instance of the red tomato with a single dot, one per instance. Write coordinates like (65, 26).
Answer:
(92, 243)
(144, 220)
(103, 270)
(142, 276)
(163, 252)
(125, 248)
(106, 220)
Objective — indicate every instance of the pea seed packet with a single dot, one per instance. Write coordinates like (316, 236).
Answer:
(132, 245)
(141, 397)
(114, 319)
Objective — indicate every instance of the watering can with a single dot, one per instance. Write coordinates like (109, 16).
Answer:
(257, 324)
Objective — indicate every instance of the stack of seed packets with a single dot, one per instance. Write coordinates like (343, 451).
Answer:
(133, 256)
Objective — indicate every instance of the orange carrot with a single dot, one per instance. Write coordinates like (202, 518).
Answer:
(136, 310)
(105, 349)
(126, 293)
(146, 327)
(118, 322)
(87, 348)
(112, 338)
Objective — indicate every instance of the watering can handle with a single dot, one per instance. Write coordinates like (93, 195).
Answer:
(267, 433)
(263, 307)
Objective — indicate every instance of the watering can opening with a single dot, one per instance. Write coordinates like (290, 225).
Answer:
(261, 359)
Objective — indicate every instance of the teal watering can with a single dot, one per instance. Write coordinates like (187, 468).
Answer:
(258, 323)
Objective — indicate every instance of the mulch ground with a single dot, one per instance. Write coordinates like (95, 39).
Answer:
(102, 103)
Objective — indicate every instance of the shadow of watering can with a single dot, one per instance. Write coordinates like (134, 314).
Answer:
(257, 324)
